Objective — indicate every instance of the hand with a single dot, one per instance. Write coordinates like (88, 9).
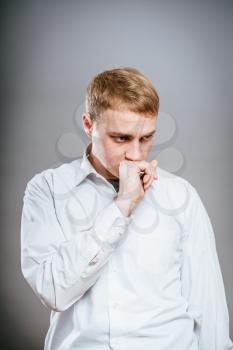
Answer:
(132, 187)
(147, 179)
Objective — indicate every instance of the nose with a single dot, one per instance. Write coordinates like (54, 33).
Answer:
(133, 151)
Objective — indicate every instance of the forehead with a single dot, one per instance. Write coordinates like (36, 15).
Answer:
(127, 122)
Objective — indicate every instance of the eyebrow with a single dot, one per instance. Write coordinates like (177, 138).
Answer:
(114, 133)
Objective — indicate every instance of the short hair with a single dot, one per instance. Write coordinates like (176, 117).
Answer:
(122, 88)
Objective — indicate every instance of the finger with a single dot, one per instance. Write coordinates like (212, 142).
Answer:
(146, 178)
(147, 186)
(150, 181)
(144, 167)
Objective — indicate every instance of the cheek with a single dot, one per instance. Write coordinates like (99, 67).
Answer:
(113, 152)
(147, 147)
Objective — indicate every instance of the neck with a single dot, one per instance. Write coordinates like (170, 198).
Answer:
(95, 162)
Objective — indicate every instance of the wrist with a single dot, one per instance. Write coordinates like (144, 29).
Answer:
(125, 205)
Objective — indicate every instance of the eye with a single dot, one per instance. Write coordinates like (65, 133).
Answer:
(120, 138)
(146, 138)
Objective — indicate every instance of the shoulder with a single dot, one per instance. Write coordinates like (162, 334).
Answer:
(61, 178)
(173, 191)
(169, 180)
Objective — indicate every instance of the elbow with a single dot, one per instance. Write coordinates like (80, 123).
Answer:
(43, 288)
(52, 306)
(54, 302)
(53, 297)
(59, 301)
(57, 306)
(50, 300)
(65, 300)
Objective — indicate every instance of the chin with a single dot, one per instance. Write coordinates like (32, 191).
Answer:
(115, 174)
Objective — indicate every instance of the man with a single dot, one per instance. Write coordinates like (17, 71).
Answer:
(121, 251)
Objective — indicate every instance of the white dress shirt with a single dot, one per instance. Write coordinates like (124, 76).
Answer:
(150, 281)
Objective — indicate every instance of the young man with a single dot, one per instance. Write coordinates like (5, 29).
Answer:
(122, 251)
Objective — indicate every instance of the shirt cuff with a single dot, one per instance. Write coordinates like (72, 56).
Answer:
(110, 226)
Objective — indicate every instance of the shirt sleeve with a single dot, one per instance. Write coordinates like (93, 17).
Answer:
(59, 270)
(202, 282)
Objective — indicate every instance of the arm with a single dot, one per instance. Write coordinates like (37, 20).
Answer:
(202, 283)
(60, 271)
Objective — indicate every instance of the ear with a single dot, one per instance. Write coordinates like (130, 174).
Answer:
(87, 123)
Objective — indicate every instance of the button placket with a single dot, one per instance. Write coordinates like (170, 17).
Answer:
(115, 341)
(114, 303)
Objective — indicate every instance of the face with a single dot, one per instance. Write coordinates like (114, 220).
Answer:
(119, 135)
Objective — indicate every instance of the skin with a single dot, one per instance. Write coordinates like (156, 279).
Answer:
(110, 145)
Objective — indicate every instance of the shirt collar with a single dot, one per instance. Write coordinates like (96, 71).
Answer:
(85, 168)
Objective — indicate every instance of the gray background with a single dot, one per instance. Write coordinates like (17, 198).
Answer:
(50, 51)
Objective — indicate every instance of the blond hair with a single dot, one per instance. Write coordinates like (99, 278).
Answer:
(122, 88)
